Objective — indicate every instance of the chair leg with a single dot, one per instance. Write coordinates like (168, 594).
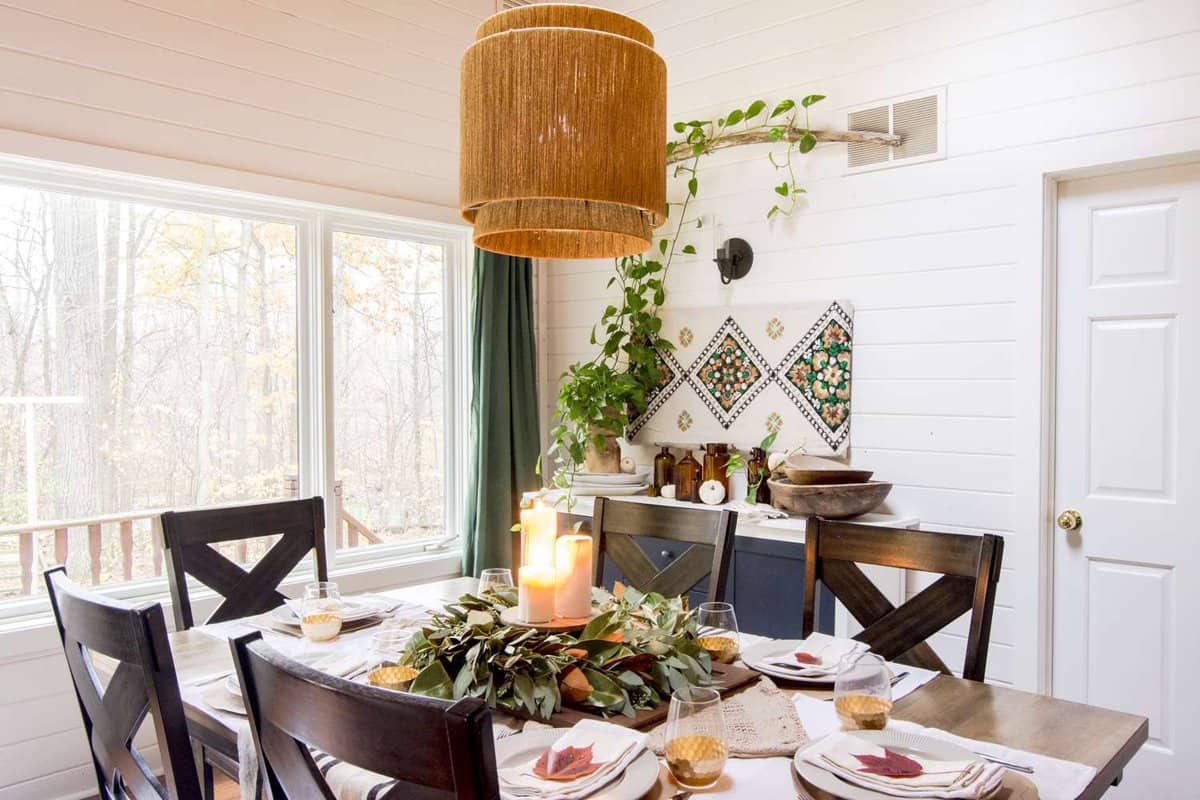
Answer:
(207, 788)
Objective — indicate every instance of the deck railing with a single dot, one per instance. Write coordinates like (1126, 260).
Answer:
(117, 531)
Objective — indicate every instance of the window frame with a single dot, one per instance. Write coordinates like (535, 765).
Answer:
(315, 224)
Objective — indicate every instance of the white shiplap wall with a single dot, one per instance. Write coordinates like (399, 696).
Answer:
(943, 260)
(345, 102)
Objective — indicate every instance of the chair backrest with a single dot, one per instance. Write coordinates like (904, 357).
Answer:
(969, 567)
(188, 537)
(143, 681)
(616, 525)
(432, 749)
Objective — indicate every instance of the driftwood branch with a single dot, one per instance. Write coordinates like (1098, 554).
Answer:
(763, 136)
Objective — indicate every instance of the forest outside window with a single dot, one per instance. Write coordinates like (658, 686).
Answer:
(160, 354)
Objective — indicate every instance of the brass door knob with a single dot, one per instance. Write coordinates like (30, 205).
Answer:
(1070, 520)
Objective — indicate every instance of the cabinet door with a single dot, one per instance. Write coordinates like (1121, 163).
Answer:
(768, 583)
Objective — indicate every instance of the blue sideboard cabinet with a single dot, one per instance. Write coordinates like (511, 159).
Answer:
(766, 584)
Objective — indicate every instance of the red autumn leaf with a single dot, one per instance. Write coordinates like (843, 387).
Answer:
(566, 764)
(890, 765)
(808, 658)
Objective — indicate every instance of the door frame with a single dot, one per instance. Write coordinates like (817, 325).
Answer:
(1046, 428)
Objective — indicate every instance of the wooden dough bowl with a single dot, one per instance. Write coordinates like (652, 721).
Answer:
(834, 501)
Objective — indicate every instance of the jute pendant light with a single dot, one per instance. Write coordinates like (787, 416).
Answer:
(563, 138)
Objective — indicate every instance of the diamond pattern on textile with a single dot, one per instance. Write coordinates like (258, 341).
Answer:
(815, 375)
(670, 378)
(729, 373)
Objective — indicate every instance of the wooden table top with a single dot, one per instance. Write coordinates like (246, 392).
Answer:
(1098, 737)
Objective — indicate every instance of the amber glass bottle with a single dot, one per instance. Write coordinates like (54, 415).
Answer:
(687, 478)
(664, 471)
(716, 458)
(756, 468)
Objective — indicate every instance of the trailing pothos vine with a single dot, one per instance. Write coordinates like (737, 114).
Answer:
(599, 396)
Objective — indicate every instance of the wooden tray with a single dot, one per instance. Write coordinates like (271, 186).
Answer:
(727, 679)
(509, 617)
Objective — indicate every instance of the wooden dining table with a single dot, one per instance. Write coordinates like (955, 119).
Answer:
(1097, 737)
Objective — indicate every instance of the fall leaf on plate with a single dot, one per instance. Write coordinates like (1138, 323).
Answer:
(808, 658)
(566, 764)
(890, 765)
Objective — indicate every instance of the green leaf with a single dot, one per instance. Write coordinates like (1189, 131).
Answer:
(775, 134)
(774, 210)
(807, 143)
(768, 441)
(433, 681)
(781, 190)
(662, 244)
(697, 149)
(812, 99)
(736, 116)
(689, 249)
(693, 186)
(699, 223)
(679, 127)
(783, 107)
(755, 108)
(671, 148)
(463, 681)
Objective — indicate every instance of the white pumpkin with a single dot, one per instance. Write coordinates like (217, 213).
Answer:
(667, 491)
(712, 493)
(628, 465)
(775, 461)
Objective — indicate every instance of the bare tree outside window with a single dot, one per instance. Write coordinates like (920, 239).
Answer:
(147, 360)
(388, 362)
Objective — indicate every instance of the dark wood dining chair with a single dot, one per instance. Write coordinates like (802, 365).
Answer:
(969, 567)
(617, 525)
(143, 682)
(188, 537)
(430, 749)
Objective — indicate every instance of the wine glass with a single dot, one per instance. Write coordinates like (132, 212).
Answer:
(695, 742)
(862, 692)
(494, 578)
(719, 631)
(321, 611)
(384, 667)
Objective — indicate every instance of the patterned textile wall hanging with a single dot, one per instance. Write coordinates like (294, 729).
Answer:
(736, 375)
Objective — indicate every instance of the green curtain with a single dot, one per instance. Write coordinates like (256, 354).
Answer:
(504, 416)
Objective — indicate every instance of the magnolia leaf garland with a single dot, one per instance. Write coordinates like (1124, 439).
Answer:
(638, 650)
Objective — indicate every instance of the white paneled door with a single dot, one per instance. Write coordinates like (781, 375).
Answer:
(1127, 568)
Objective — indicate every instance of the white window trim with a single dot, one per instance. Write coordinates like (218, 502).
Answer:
(315, 224)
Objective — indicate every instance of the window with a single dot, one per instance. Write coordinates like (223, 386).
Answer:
(388, 357)
(167, 348)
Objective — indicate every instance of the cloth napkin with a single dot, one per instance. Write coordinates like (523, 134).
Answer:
(1054, 778)
(959, 780)
(612, 745)
(829, 649)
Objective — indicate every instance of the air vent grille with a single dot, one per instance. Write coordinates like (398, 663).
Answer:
(917, 119)
(861, 154)
(507, 4)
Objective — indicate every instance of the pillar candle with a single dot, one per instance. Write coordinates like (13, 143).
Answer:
(573, 564)
(535, 593)
(539, 526)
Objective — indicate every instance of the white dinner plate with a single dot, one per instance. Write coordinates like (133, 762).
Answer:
(353, 610)
(608, 491)
(910, 744)
(339, 664)
(758, 662)
(637, 779)
(612, 478)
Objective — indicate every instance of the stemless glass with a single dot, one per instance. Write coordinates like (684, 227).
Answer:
(494, 578)
(384, 667)
(321, 611)
(862, 692)
(719, 631)
(695, 742)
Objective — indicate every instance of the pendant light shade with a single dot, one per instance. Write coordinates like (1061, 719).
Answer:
(563, 139)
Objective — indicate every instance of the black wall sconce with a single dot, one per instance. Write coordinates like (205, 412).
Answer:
(734, 259)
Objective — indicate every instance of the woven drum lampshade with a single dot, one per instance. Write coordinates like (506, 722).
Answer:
(563, 137)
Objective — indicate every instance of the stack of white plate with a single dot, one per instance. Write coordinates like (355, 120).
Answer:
(612, 484)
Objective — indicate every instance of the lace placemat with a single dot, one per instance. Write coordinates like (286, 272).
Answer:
(760, 722)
